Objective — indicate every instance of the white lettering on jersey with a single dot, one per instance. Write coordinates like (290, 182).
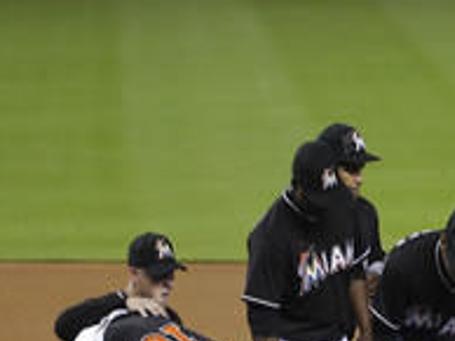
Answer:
(448, 328)
(315, 267)
(419, 318)
(423, 318)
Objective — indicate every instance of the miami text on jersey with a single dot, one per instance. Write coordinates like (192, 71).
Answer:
(314, 267)
(426, 319)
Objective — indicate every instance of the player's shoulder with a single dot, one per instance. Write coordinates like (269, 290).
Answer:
(366, 205)
(134, 320)
(279, 216)
(134, 327)
(415, 246)
(116, 331)
(173, 315)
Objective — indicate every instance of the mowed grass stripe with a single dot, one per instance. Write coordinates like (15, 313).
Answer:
(223, 102)
(183, 116)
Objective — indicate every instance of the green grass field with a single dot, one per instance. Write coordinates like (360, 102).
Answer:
(182, 116)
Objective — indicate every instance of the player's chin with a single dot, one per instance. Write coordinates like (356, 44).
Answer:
(164, 298)
(355, 191)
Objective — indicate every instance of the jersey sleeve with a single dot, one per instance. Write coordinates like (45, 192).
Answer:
(268, 273)
(362, 249)
(71, 321)
(267, 284)
(389, 304)
(376, 258)
(369, 221)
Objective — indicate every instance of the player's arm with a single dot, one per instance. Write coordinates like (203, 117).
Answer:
(89, 312)
(377, 251)
(359, 300)
(389, 305)
(358, 293)
(71, 321)
(267, 280)
(263, 322)
(375, 262)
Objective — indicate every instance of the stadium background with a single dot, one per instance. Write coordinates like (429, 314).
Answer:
(182, 116)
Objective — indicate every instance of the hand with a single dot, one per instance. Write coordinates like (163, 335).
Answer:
(372, 284)
(145, 306)
(364, 337)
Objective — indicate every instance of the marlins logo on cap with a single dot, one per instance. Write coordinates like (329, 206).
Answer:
(348, 144)
(154, 253)
(329, 179)
(359, 142)
(163, 248)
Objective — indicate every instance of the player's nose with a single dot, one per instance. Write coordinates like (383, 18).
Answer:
(358, 179)
(169, 283)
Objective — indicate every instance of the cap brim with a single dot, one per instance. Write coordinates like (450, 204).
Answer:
(368, 157)
(162, 270)
(326, 199)
(361, 160)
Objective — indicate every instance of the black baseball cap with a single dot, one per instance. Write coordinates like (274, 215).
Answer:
(154, 253)
(348, 144)
(313, 169)
(450, 235)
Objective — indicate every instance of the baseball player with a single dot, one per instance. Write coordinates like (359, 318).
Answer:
(132, 327)
(151, 267)
(305, 258)
(347, 142)
(415, 300)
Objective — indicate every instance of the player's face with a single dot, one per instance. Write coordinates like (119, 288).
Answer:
(161, 290)
(351, 175)
(158, 290)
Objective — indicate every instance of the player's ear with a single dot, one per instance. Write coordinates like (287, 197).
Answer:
(133, 272)
(299, 193)
(443, 239)
(134, 279)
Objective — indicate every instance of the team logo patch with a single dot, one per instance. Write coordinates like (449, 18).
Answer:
(164, 249)
(329, 179)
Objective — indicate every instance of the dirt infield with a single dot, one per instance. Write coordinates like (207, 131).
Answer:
(31, 295)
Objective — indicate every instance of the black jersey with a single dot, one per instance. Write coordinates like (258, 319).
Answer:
(89, 312)
(369, 227)
(416, 297)
(133, 327)
(299, 271)
(77, 317)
